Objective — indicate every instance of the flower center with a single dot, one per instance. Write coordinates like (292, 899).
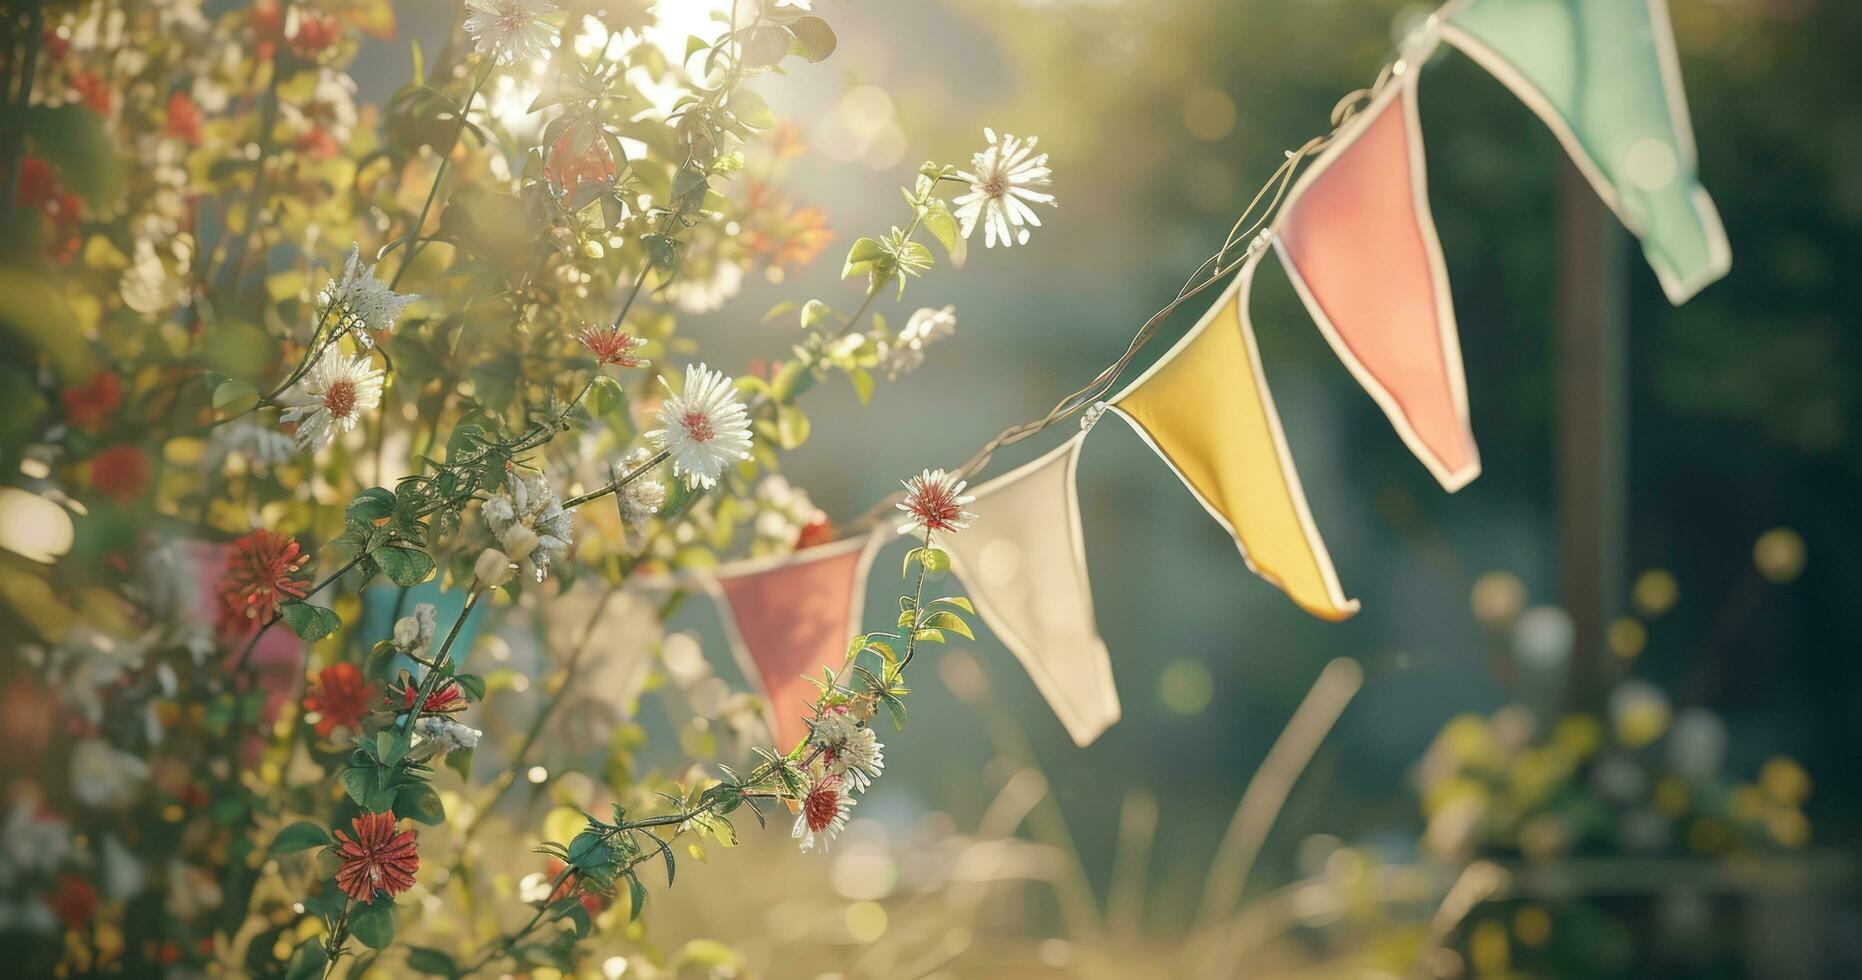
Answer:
(821, 806)
(698, 426)
(996, 185)
(340, 398)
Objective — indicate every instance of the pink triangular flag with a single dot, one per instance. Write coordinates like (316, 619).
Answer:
(1358, 241)
(790, 616)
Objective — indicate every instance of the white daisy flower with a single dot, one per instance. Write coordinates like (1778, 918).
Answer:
(906, 353)
(103, 776)
(358, 302)
(851, 750)
(332, 397)
(529, 522)
(935, 499)
(823, 812)
(436, 735)
(509, 30)
(705, 427)
(1002, 182)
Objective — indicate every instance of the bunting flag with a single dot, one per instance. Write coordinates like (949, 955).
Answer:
(1205, 408)
(790, 616)
(1604, 76)
(1358, 240)
(1023, 562)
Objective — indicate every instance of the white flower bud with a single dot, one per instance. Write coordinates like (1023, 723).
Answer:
(493, 568)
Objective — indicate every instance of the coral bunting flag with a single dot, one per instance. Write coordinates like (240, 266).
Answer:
(1205, 408)
(1023, 562)
(1604, 76)
(1358, 240)
(791, 616)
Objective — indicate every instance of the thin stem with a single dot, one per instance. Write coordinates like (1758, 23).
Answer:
(619, 482)
(431, 682)
(918, 597)
(446, 159)
(246, 654)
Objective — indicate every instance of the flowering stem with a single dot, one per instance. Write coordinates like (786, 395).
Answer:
(618, 482)
(408, 241)
(246, 654)
(339, 937)
(918, 612)
(431, 682)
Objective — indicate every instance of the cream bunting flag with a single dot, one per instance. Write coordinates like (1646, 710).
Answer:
(1603, 75)
(1023, 562)
(1205, 408)
(1358, 240)
(790, 616)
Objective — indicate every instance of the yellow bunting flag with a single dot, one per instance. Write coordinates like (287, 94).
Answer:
(1205, 408)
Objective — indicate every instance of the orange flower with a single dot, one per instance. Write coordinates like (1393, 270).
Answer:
(340, 697)
(91, 406)
(120, 473)
(377, 859)
(445, 700)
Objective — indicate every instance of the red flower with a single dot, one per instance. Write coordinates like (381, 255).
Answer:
(73, 902)
(94, 92)
(376, 859)
(120, 473)
(91, 406)
(570, 171)
(183, 122)
(572, 885)
(315, 33)
(40, 190)
(258, 579)
(447, 699)
(340, 697)
(612, 346)
(818, 531)
(317, 143)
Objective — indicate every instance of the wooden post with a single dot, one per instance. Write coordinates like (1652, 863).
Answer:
(1592, 416)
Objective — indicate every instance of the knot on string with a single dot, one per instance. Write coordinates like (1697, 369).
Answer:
(1091, 416)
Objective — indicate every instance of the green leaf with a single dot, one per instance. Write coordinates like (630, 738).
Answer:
(309, 962)
(371, 505)
(405, 567)
(234, 394)
(956, 600)
(814, 39)
(310, 623)
(862, 384)
(636, 897)
(764, 46)
(380, 661)
(896, 708)
(374, 925)
(578, 918)
(297, 837)
(929, 635)
(792, 426)
(935, 560)
(813, 311)
(751, 110)
(460, 761)
(944, 620)
(472, 685)
(605, 396)
(431, 962)
(419, 801)
(861, 257)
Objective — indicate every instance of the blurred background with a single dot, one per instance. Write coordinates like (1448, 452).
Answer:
(1598, 714)
(1695, 591)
